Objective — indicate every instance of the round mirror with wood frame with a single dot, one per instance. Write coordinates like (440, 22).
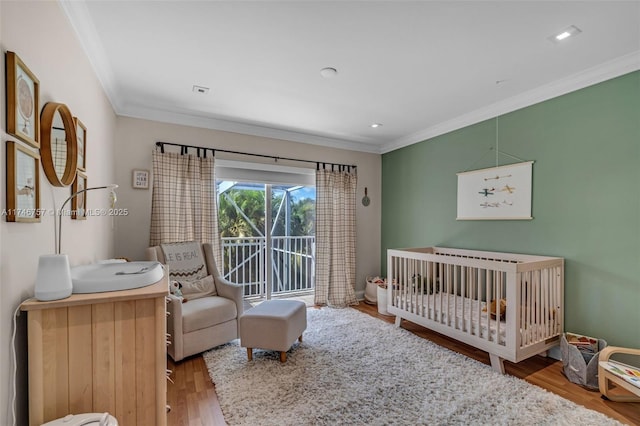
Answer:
(58, 144)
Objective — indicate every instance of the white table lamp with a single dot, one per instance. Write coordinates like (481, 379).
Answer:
(53, 281)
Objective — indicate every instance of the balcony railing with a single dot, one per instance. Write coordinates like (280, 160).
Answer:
(292, 264)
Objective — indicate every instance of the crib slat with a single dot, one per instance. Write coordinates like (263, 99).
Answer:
(557, 286)
(404, 284)
(444, 293)
(407, 286)
(497, 280)
(432, 292)
(550, 315)
(392, 271)
(477, 300)
(554, 302)
(438, 286)
(545, 306)
(414, 289)
(425, 296)
(415, 281)
(464, 282)
(403, 305)
(396, 289)
(456, 289)
(400, 284)
(488, 286)
(528, 305)
(511, 326)
(418, 285)
(526, 309)
(538, 303)
(448, 293)
(409, 276)
(408, 279)
(420, 270)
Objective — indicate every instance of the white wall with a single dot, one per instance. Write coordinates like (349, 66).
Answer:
(41, 36)
(136, 139)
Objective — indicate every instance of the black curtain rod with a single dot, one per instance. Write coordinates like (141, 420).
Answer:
(184, 150)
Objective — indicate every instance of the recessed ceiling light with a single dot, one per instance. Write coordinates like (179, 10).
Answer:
(565, 34)
(328, 72)
(376, 125)
(200, 89)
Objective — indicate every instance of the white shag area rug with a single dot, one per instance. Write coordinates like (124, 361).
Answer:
(353, 369)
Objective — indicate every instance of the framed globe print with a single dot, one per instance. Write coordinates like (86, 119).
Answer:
(79, 202)
(23, 104)
(23, 184)
(81, 137)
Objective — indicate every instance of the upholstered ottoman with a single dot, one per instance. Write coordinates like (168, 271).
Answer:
(273, 325)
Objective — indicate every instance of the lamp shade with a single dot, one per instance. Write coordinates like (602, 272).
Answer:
(53, 280)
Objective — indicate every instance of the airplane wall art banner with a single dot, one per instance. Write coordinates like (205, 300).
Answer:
(497, 193)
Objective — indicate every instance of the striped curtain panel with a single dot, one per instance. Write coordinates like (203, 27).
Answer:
(335, 238)
(184, 201)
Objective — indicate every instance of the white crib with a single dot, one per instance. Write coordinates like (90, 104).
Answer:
(449, 291)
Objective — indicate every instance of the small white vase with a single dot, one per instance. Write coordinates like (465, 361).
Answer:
(53, 281)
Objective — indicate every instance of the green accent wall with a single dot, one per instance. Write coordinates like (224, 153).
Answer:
(585, 198)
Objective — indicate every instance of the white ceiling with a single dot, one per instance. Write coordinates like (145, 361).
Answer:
(419, 68)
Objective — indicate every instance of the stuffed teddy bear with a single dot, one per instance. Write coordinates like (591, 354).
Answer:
(176, 290)
(492, 309)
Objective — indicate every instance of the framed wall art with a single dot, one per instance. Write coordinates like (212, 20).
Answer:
(497, 193)
(79, 202)
(23, 105)
(23, 184)
(81, 137)
(140, 179)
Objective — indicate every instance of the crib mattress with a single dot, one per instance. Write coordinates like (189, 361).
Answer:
(466, 314)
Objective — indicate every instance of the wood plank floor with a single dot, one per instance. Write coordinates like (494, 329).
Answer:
(194, 401)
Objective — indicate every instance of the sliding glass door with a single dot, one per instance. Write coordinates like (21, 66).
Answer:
(268, 237)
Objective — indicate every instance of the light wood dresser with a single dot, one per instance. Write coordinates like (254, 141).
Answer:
(99, 352)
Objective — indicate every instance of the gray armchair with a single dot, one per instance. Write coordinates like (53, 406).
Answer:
(203, 323)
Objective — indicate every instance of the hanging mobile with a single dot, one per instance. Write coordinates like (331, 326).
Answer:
(365, 199)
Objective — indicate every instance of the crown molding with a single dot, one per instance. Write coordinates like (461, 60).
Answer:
(82, 24)
(606, 71)
(80, 20)
(172, 117)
